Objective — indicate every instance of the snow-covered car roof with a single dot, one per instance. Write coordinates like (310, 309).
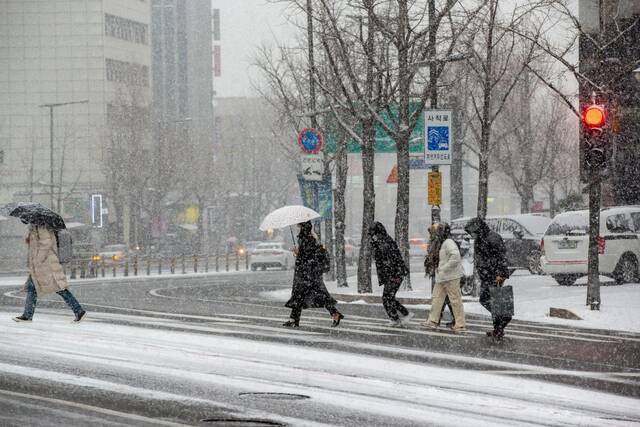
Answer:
(533, 223)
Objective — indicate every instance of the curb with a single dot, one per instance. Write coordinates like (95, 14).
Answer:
(376, 299)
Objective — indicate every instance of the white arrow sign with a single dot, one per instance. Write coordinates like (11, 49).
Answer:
(312, 167)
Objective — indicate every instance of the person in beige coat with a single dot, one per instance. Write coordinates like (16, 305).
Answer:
(448, 275)
(46, 275)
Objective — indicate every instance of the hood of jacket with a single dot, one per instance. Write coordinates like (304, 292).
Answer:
(477, 226)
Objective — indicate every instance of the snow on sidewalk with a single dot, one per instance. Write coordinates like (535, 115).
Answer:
(534, 295)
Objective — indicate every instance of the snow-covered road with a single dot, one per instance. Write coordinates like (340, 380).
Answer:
(164, 359)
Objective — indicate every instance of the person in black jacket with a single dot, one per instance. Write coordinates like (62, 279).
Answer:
(491, 265)
(391, 269)
(309, 290)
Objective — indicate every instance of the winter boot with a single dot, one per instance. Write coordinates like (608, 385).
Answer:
(80, 316)
(406, 320)
(291, 323)
(337, 317)
(21, 319)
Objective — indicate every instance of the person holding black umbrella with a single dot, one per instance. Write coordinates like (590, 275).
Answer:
(46, 275)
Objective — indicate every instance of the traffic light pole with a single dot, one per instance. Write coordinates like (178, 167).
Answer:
(593, 281)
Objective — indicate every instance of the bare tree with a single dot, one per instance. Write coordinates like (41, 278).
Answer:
(127, 150)
(497, 59)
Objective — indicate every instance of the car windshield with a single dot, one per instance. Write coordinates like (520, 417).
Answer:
(534, 224)
(565, 223)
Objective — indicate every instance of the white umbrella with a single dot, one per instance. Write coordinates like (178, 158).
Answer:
(288, 215)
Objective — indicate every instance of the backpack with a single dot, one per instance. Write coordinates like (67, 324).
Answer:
(65, 246)
(323, 260)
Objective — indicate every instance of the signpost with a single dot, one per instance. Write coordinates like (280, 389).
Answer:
(438, 144)
(438, 147)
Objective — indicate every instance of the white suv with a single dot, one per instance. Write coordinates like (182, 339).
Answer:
(566, 242)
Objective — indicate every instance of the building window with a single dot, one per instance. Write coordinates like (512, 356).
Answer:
(127, 72)
(125, 29)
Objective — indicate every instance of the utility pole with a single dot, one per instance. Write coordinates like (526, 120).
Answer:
(433, 86)
(51, 107)
(597, 142)
(328, 222)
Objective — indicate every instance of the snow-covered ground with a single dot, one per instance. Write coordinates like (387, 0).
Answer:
(534, 295)
(10, 281)
(336, 381)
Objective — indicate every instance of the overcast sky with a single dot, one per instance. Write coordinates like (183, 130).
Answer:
(246, 24)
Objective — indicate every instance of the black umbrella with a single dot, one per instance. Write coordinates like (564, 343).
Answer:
(37, 214)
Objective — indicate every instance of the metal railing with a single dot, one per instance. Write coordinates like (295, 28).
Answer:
(151, 265)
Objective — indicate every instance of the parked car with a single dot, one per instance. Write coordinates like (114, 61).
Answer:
(274, 254)
(565, 245)
(351, 251)
(522, 235)
(251, 245)
(112, 254)
(418, 247)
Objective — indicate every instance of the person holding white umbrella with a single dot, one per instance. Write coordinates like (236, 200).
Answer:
(312, 260)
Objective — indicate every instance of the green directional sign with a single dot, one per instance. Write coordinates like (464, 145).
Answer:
(384, 143)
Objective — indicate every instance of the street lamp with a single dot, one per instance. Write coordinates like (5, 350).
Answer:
(51, 107)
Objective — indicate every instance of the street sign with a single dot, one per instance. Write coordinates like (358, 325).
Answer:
(312, 167)
(383, 142)
(310, 140)
(317, 195)
(96, 210)
(434, 186)
(437, 147)
(393, 175)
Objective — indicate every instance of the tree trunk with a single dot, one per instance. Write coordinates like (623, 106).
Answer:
(404, 135)
(340, 211)
(526, 200)
(368, 205)
(483, 174)
(486, 119)
(552, 200)
(457, 183)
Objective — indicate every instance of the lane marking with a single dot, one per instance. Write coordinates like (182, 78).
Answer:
(566, 334)
(152, 421)
(88, 382)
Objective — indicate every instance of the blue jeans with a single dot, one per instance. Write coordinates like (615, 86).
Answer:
(32, 300)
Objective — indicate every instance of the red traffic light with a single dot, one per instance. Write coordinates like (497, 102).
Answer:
(594, 117)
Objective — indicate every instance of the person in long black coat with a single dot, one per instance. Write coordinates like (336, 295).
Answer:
(309, 290)
(391, 270)
(491, 265)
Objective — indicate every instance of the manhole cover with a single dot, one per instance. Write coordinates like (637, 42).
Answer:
(276, 396)
(244, 422)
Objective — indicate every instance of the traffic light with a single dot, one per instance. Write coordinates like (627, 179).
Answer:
(595, 148)
(594, 117)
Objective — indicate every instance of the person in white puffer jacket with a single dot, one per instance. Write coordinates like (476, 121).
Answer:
(448, 275)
